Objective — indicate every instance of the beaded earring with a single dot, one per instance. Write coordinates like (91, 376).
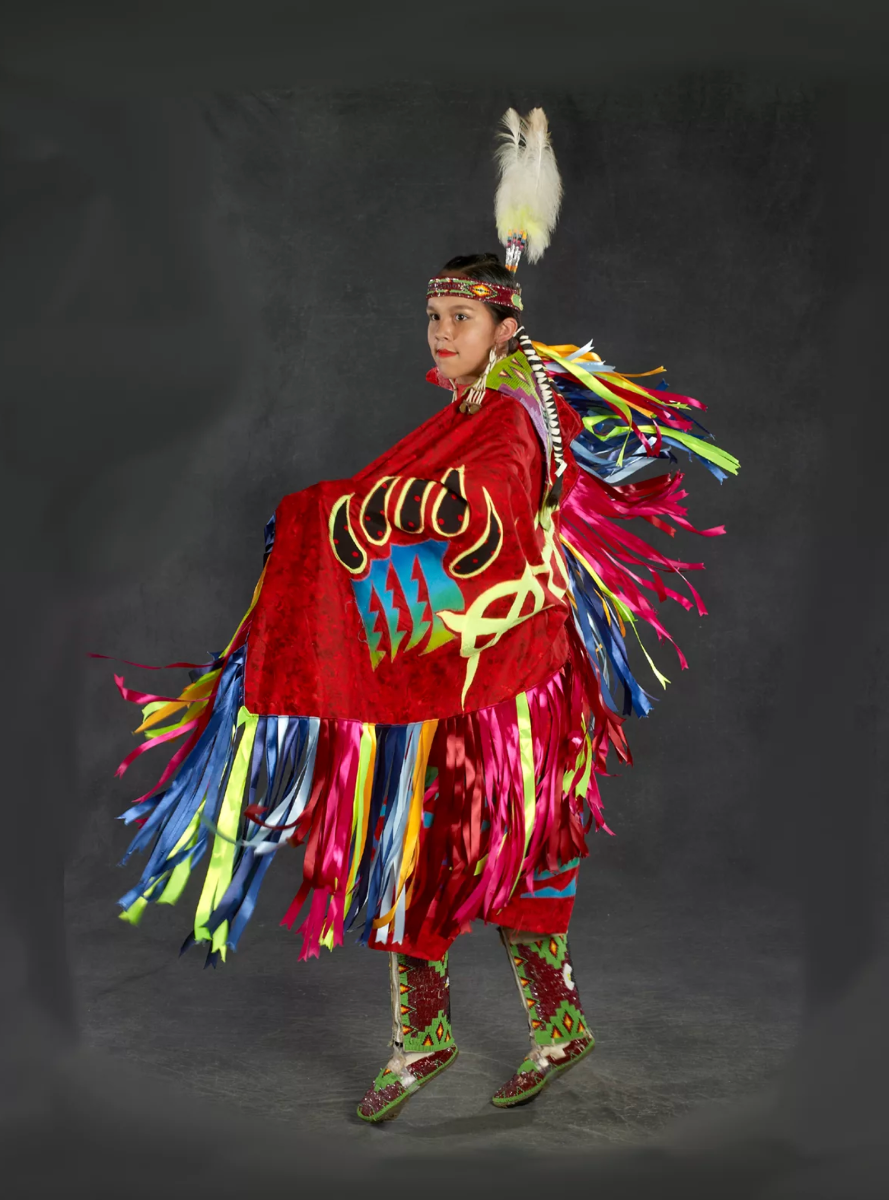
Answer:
(472, 401)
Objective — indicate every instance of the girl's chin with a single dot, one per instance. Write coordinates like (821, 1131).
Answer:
(452, 371)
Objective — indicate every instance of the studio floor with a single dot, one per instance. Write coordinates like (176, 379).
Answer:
(691, 1006)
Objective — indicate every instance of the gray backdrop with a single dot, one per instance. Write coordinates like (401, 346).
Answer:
(687, 238)
(125, 324)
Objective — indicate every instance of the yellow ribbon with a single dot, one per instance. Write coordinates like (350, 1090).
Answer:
(256, 592)
(195, 692)
(562, 352)
(175, 882)
(529, 782)
(551, 351)
(361, 811)
(584, 781)
(526, 750)
(415, 814)
(219, 873)
(595, 381)
(181, 872)
(621, 611)
(133, 914)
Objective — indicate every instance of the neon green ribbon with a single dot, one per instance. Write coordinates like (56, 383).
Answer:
(704, 449)
(176, 880)
(219, 873)
(707, 450)
(571, 772)
(662, 679)
(366, 755)
(187, 716)
(583, 783)
(180, 874)
(620, 607)
(595, 384)
(529, 782)
(625, 614)
(133, 914)
(326, 939)
(359, 818)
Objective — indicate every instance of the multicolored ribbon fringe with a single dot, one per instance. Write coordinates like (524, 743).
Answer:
(488, 788)
(432, 824)
(626, 426)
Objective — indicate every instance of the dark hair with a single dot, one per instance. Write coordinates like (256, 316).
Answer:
(486, 268)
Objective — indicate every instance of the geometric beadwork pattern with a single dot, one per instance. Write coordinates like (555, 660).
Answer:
(424, 1004)
(530, 1077)
(423, 1012)
(543, 971)
(388, 1092)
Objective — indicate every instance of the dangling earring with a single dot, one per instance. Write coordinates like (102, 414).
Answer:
(472, 402)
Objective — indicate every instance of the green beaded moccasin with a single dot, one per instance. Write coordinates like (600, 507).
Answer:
(393, 1088)
(535, 1073)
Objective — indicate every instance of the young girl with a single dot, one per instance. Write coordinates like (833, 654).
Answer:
(424, 687)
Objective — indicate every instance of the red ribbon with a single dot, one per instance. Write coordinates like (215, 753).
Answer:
(145, 666)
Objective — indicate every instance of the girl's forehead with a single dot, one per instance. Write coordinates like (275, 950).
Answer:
(453, 304)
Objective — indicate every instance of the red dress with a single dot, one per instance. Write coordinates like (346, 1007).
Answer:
(418, 693)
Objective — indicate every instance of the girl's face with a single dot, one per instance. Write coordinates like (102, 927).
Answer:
(461, 334)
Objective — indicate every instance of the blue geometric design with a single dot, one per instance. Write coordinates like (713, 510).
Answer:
(410, 565)
(553, 892)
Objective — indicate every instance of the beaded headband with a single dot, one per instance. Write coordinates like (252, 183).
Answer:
(510, 296)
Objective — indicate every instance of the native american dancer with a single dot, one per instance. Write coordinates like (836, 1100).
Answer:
(435, 667)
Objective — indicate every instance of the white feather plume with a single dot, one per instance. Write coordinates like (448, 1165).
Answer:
(529, 194)
(509, 152)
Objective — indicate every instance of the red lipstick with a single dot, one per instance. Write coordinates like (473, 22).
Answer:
(446, 353)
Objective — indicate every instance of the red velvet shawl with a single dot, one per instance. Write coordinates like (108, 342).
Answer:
(424, 586)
